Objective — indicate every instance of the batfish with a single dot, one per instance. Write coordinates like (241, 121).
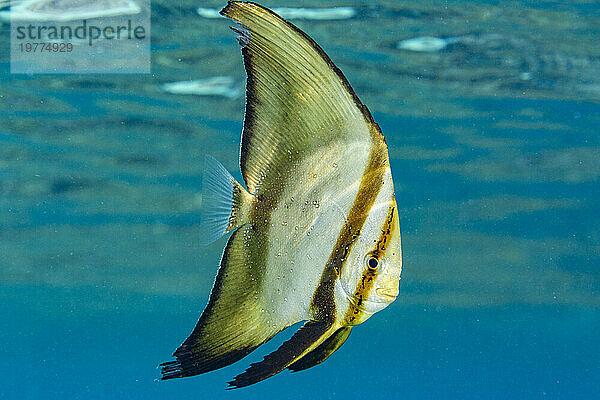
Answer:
(316, 235)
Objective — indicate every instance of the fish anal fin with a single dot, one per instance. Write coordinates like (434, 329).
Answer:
(323, 351)
(305, 339)
(232, 324)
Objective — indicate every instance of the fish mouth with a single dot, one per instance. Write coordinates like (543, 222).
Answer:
(387, 293)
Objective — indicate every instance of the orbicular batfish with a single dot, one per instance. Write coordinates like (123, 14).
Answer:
(316, 235)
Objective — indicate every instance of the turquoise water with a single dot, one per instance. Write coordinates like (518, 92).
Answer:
(495, 154)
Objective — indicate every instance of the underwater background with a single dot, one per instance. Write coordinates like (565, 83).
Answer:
(494, 139)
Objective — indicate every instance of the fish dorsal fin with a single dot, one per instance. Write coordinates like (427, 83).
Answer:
(296, 99)
(323, 351)
(305, 339)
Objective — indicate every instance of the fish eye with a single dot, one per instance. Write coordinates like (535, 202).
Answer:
(373, 262)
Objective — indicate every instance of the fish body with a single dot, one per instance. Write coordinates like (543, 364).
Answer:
(316, 233)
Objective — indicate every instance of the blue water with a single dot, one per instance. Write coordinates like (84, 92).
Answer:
(497, 180)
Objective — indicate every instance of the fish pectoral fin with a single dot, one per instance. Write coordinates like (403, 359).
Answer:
(224, 202)
(304, 340)
(323, 351)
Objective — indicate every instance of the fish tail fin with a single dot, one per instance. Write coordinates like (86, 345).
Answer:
(225, 202)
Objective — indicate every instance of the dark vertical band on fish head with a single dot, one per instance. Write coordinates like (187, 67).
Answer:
(373, 268)
(323, 302)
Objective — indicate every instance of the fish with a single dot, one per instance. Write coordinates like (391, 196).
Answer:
(315, 234)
